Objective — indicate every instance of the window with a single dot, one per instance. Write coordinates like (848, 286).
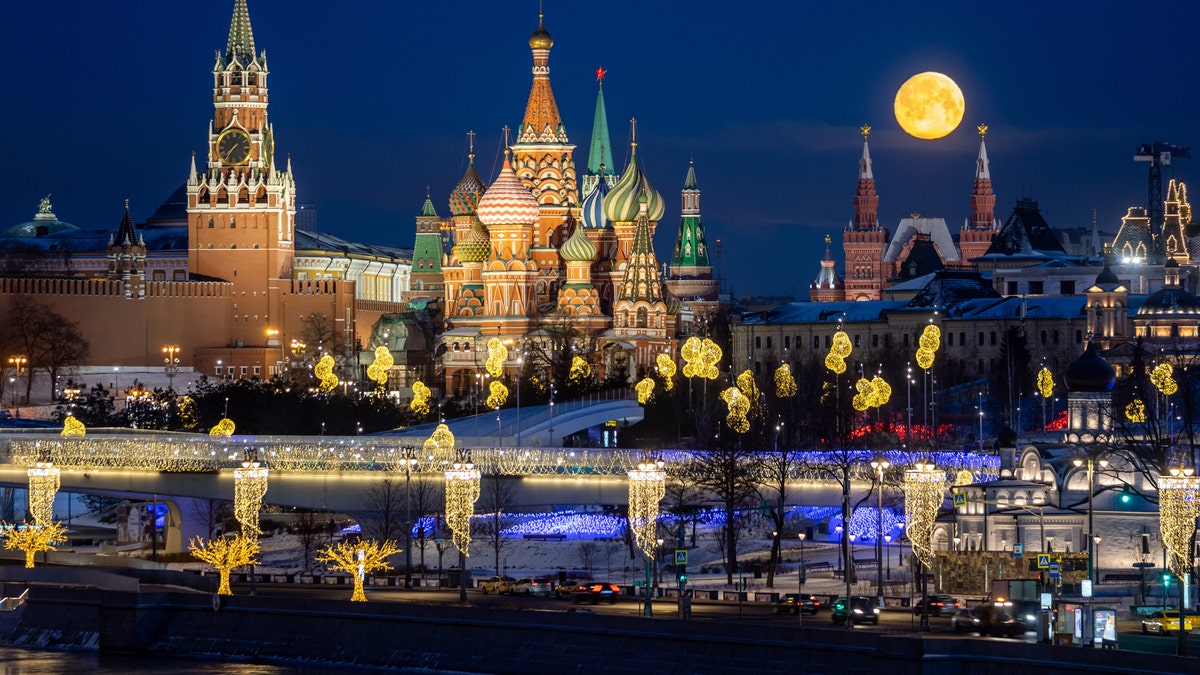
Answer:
(787, 341)
(875, 340)
(1012, 288)
(257, 371)
(816, 342)
(1036, 288)
(768, 342)
(230, 371)
(757, 342)
(1066, 287)
(993, 338)
(233, 223)
(827, 342)
(949, 339)
(981, 339)
(1078, 336)
(1055, 337)
(962, 339)
(243, 371)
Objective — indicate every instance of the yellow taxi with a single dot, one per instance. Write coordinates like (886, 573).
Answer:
(1166, 622)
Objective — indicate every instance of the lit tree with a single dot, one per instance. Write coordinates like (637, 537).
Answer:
(33, 539)
(226, 553)
(357, 558)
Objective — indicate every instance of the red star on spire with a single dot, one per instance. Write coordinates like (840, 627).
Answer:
(600, 72)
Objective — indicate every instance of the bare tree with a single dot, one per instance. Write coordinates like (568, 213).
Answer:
(211, 513)
(730, 475)
(310, 527)
(587, 556)
(427, 495)
(50, 341)
(383, 510)
(496, 496)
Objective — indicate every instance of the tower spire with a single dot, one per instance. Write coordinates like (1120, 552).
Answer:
(241, 36)
(983, 200)
(866, 201)
(600, 162)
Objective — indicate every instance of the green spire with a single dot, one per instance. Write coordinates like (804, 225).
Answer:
(600, 153)
(691, 249)
(427, 208)
(241, 37)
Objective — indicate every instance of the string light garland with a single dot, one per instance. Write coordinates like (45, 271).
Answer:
(1163, 377)
(645, 390)
(498, 395)
(929, 342)
(785, 383)
(872, 393)
(1178, 507)
(223, 428)
(700, 358)
(439, 447)
(1045, 382)
(666, 370)
(747, 385)
(419, 405)
(497, 355)
(1136, 411)
(225, 554)
(358, 559)
(839, 350)
(739, 405)
(924, 492)
(462, 491)
(73, 427)
(249, 488)
(378, 370)
(647, 486)
(44, 481)
(33, 539)
(324, 372)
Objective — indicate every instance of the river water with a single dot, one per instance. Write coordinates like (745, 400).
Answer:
(30, 662)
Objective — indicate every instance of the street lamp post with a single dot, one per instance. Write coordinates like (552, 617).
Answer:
(172, 367)
(1091, 539)
(410, 462)
(520, 362)
(887, 538)
(879, 465)
(18, 363)
(800, 584)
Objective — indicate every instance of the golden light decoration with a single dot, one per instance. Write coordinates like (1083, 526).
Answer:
(835, 363)
(420, 400)
(866, 394)
(964, 477)
(498, 395)
(1178, 507)
(739, 405)
(324, 372)
(748, 386)
(1045, 382)
(1136, 411)
(645, 390)
(580, 370)
(378, 370)
(249, 488)
(44, 481)
(839, 350)
(439, 447)
(1163, 377)
(785, 384)
(223, 428)
(924, 492)
(225, 554)
(883, 391)
(358, 559)
(497, 355)
(73, 427)
(33, 539)
(462, 491)
(647, 485)
(666, 370)
(928, 345)
(700, 358)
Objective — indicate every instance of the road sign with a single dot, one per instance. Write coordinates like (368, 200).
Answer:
(1043, 561)
(960, 499)
(1055, 571)
(1018, 550)
(1143, 564)
(680, 556)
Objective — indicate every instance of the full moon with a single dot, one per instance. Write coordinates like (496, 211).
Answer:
(929, 105)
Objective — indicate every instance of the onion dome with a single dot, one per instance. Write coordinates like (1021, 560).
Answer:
(475, 247)
(507, 201)
(1089, 373)
(1107, 276)
(465, 197)
(621, 204)
(593, 208)
(577, 247)
(541, 37)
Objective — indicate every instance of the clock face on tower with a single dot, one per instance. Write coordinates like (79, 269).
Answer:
(233, 146)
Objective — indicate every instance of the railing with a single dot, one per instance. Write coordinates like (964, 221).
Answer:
(12, 604)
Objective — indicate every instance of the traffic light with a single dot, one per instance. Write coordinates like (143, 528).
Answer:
(1041, 578)
(1166, 577)
(1126, 494)
(681, 575)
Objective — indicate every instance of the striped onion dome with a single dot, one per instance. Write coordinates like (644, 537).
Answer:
(621, 203)
(577, 247)
(593, 208)
(475, 247)
(507, 201)
(465, 197)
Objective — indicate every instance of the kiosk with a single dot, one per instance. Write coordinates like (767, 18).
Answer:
(1088, 623)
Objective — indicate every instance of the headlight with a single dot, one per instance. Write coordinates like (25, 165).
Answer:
(858, 611)
(1030, 617)
(876, 610)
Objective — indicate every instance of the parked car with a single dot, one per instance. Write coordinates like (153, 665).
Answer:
(539, 587)
(939, 605)
(1166, 622)
(596, 592)
(996, 618)
(497, 585)
(792, 602)
(861, 608)
(569, 589)
(965, 620)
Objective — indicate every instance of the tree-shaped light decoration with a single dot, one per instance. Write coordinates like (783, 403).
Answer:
(439, 447)
(866, 394)
(462, 491)
(883, 391)
(419, 405)
(645, 390)
(666, 370)
(73, 427)
(497, 355)
(1178, 507)
(785, 383)
(739, 405)
(1163, 377)
(839, 350)
(324, 372)
(498, 395)
(249, 488)
(747, 385)
(1136, 411)
(378, 370)
(33, 539)
(700, 358)
(929, 342)
(647, 485)
(1045, 382)
(924, 492)
(358, 559)
(226, 553)
(44, 480)
(223, 428)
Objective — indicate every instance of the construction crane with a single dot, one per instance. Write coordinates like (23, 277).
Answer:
(1159, 155)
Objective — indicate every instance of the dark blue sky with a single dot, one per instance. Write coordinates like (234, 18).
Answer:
(372, 100)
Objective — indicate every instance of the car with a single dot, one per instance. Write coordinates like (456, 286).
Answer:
(861, 608)
(965, 620)
(1166, 622)
(498, 585)
(1026, 612)
(997, 618)
(539, 587)
(570, 588)
(788, 604)
(596, 592)
(939, 605)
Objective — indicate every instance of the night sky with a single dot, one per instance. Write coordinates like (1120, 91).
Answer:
(373, 99)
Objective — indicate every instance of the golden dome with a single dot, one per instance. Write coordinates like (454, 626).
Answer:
(541, 37)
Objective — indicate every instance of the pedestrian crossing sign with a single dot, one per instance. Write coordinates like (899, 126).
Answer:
(960, 499)
(681, 556)
(1043, 561)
